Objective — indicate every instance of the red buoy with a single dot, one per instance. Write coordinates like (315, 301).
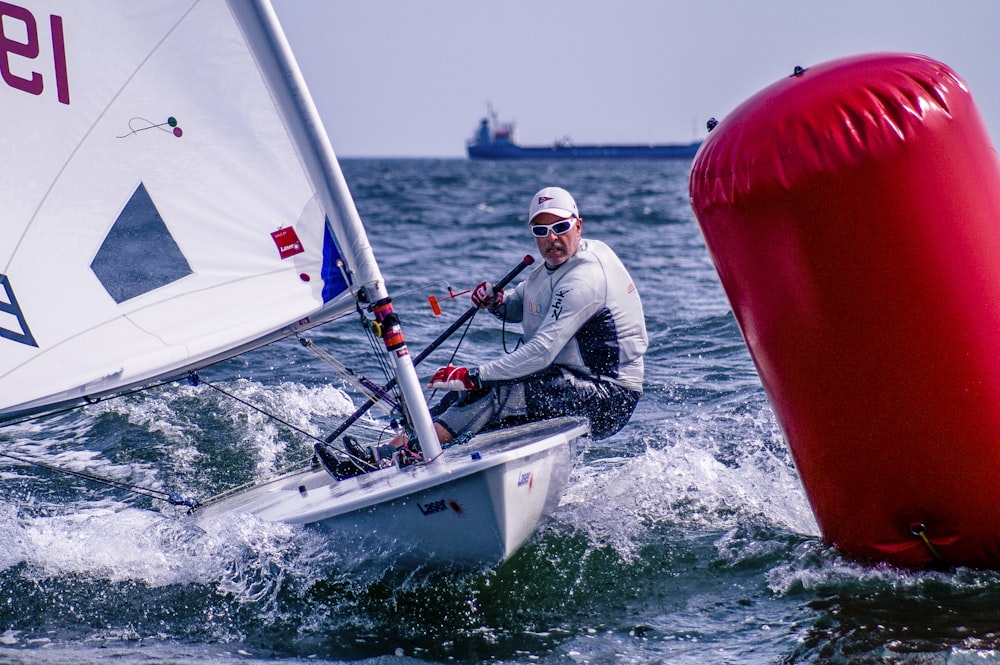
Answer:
(852, 211)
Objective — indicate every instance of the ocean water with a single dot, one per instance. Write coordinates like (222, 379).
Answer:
(685, 538)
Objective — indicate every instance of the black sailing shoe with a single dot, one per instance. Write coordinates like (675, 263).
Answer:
(355, 450)
(335, 464)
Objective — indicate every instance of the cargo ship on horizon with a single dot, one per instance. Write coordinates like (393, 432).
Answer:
(495, 140)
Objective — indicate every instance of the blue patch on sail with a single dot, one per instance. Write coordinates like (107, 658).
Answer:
(8, 305)
(138, 255)
(333, 278)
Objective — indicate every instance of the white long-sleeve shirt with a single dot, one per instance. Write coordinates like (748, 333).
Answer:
(584, 315)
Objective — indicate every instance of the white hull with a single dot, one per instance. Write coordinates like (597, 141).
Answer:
(475, 505)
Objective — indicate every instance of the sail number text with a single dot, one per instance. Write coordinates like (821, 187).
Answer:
(19, 39)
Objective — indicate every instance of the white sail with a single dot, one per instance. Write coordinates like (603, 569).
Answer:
(165, 187)
(170, 199)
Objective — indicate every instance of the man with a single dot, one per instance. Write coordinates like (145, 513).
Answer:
(584, 332)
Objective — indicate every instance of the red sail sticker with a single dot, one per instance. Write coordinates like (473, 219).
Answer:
(288, 242)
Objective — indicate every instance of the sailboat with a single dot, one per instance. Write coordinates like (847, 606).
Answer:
(171, 200)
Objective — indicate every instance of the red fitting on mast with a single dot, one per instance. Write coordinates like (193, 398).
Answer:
(388, 325)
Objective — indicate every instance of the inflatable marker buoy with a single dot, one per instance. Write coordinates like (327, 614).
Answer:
(852, 211)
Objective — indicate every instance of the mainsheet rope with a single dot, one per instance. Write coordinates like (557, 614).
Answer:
(195, 380)
(172, 499)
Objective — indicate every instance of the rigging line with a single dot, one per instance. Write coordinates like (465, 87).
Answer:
(173, 499)
(196, 380)
(380, 357)
(462, 338)
(366, 325)
(503, 334)
(370, 389)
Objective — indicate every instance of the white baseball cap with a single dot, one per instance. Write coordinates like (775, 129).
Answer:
(555, 200)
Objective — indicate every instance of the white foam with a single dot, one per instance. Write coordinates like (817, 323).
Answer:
(170, 414)
(112, 540)
(248, 560)
(618, 501)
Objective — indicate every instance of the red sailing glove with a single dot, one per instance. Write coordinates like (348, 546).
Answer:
(455, 378)
(485, 295)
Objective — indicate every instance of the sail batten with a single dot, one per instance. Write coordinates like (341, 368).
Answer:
(181, 206)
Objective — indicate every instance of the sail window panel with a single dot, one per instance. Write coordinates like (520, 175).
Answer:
(138, 255)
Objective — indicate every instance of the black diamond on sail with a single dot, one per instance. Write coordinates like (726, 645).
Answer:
(139, 254)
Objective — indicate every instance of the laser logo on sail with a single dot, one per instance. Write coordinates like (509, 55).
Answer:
(288, 242)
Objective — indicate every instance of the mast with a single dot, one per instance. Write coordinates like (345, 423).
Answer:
(260, 23)
(415, 405)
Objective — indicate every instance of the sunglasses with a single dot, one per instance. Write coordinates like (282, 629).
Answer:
(558, 228)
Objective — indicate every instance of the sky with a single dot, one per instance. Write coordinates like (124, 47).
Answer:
(412, 78)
